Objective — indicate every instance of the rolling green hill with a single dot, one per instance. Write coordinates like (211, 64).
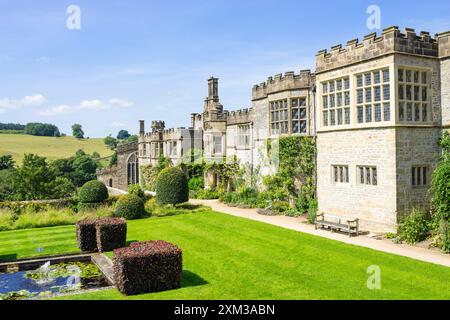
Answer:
(50, 147)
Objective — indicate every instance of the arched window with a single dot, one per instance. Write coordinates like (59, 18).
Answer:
(133, 169)
(110, 182)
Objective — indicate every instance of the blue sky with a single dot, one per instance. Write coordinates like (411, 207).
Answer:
(150, 60)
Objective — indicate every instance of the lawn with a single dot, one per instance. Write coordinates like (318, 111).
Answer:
(226, 257)
(50, 147)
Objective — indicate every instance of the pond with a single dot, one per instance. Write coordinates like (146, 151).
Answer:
(49, 280)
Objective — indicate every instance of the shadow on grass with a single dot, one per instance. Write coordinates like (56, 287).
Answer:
(189, 206)
(190, 279)
(8, 257)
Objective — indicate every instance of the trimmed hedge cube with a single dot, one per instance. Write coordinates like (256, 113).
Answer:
(147, 267)
(111, 233)
(86, 235)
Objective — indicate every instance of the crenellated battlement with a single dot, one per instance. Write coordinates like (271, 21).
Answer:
(239, 116)
(390, 41)
(127, 147)
(280, 82)
(104, 171)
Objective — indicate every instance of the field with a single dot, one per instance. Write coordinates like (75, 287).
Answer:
(226, 257)
(50, 147)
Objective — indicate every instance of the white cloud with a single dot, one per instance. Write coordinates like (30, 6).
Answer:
(121, 103)
(36, 100)
(93, 105)
(117, 124)
(61, 109)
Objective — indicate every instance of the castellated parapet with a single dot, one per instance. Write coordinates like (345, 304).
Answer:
(390, 41)
(127, 147)
(239, 116)
(280, 82)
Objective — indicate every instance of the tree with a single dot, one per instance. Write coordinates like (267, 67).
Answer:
(6, 162)
(84, 170)
(33, 179)
(123, 135)
(77, 131)
(133, 138)
(113, 160)
(79, 168)
(111, 142)
(42, 129)
(6, 184)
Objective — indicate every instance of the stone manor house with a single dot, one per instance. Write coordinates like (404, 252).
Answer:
(377, 109)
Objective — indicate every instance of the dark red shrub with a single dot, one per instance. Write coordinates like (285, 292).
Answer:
(147, 267)
(86, 235)
(111, 233)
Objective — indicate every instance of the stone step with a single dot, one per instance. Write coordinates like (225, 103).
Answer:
(105, 265)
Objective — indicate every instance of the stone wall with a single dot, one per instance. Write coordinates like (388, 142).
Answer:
(415, 147)
(108, 176)
(375, 206)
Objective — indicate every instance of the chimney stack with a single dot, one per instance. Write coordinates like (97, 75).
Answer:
(141, 127)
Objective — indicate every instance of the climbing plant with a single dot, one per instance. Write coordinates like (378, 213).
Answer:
(295, 172)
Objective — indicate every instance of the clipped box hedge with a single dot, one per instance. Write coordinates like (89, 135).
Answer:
(87, 235)
(111, 233)
(93, 191)
(172, 187)
(147, 267)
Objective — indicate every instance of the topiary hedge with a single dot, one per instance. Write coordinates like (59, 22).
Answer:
(172, 187)
(93, 192)
(147, 267)
(86, 235)
(130, 206)
(111, 233)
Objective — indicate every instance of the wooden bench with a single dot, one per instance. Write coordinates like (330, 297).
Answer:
(345, 224)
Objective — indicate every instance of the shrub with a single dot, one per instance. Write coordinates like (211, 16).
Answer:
(86, 235)
(312, 211)
(112, 200)
(136, 190)
(415, 228)
(111, 233)
(130, 206)
(147, 267)
(172, 187)
(302, 204)
(196, 183)
(93, 191)
(206, 194)
(280, 206)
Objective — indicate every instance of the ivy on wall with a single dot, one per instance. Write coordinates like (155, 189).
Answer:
(296, 163)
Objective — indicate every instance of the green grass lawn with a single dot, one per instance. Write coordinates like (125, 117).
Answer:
(50, 147)
(226, 257)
